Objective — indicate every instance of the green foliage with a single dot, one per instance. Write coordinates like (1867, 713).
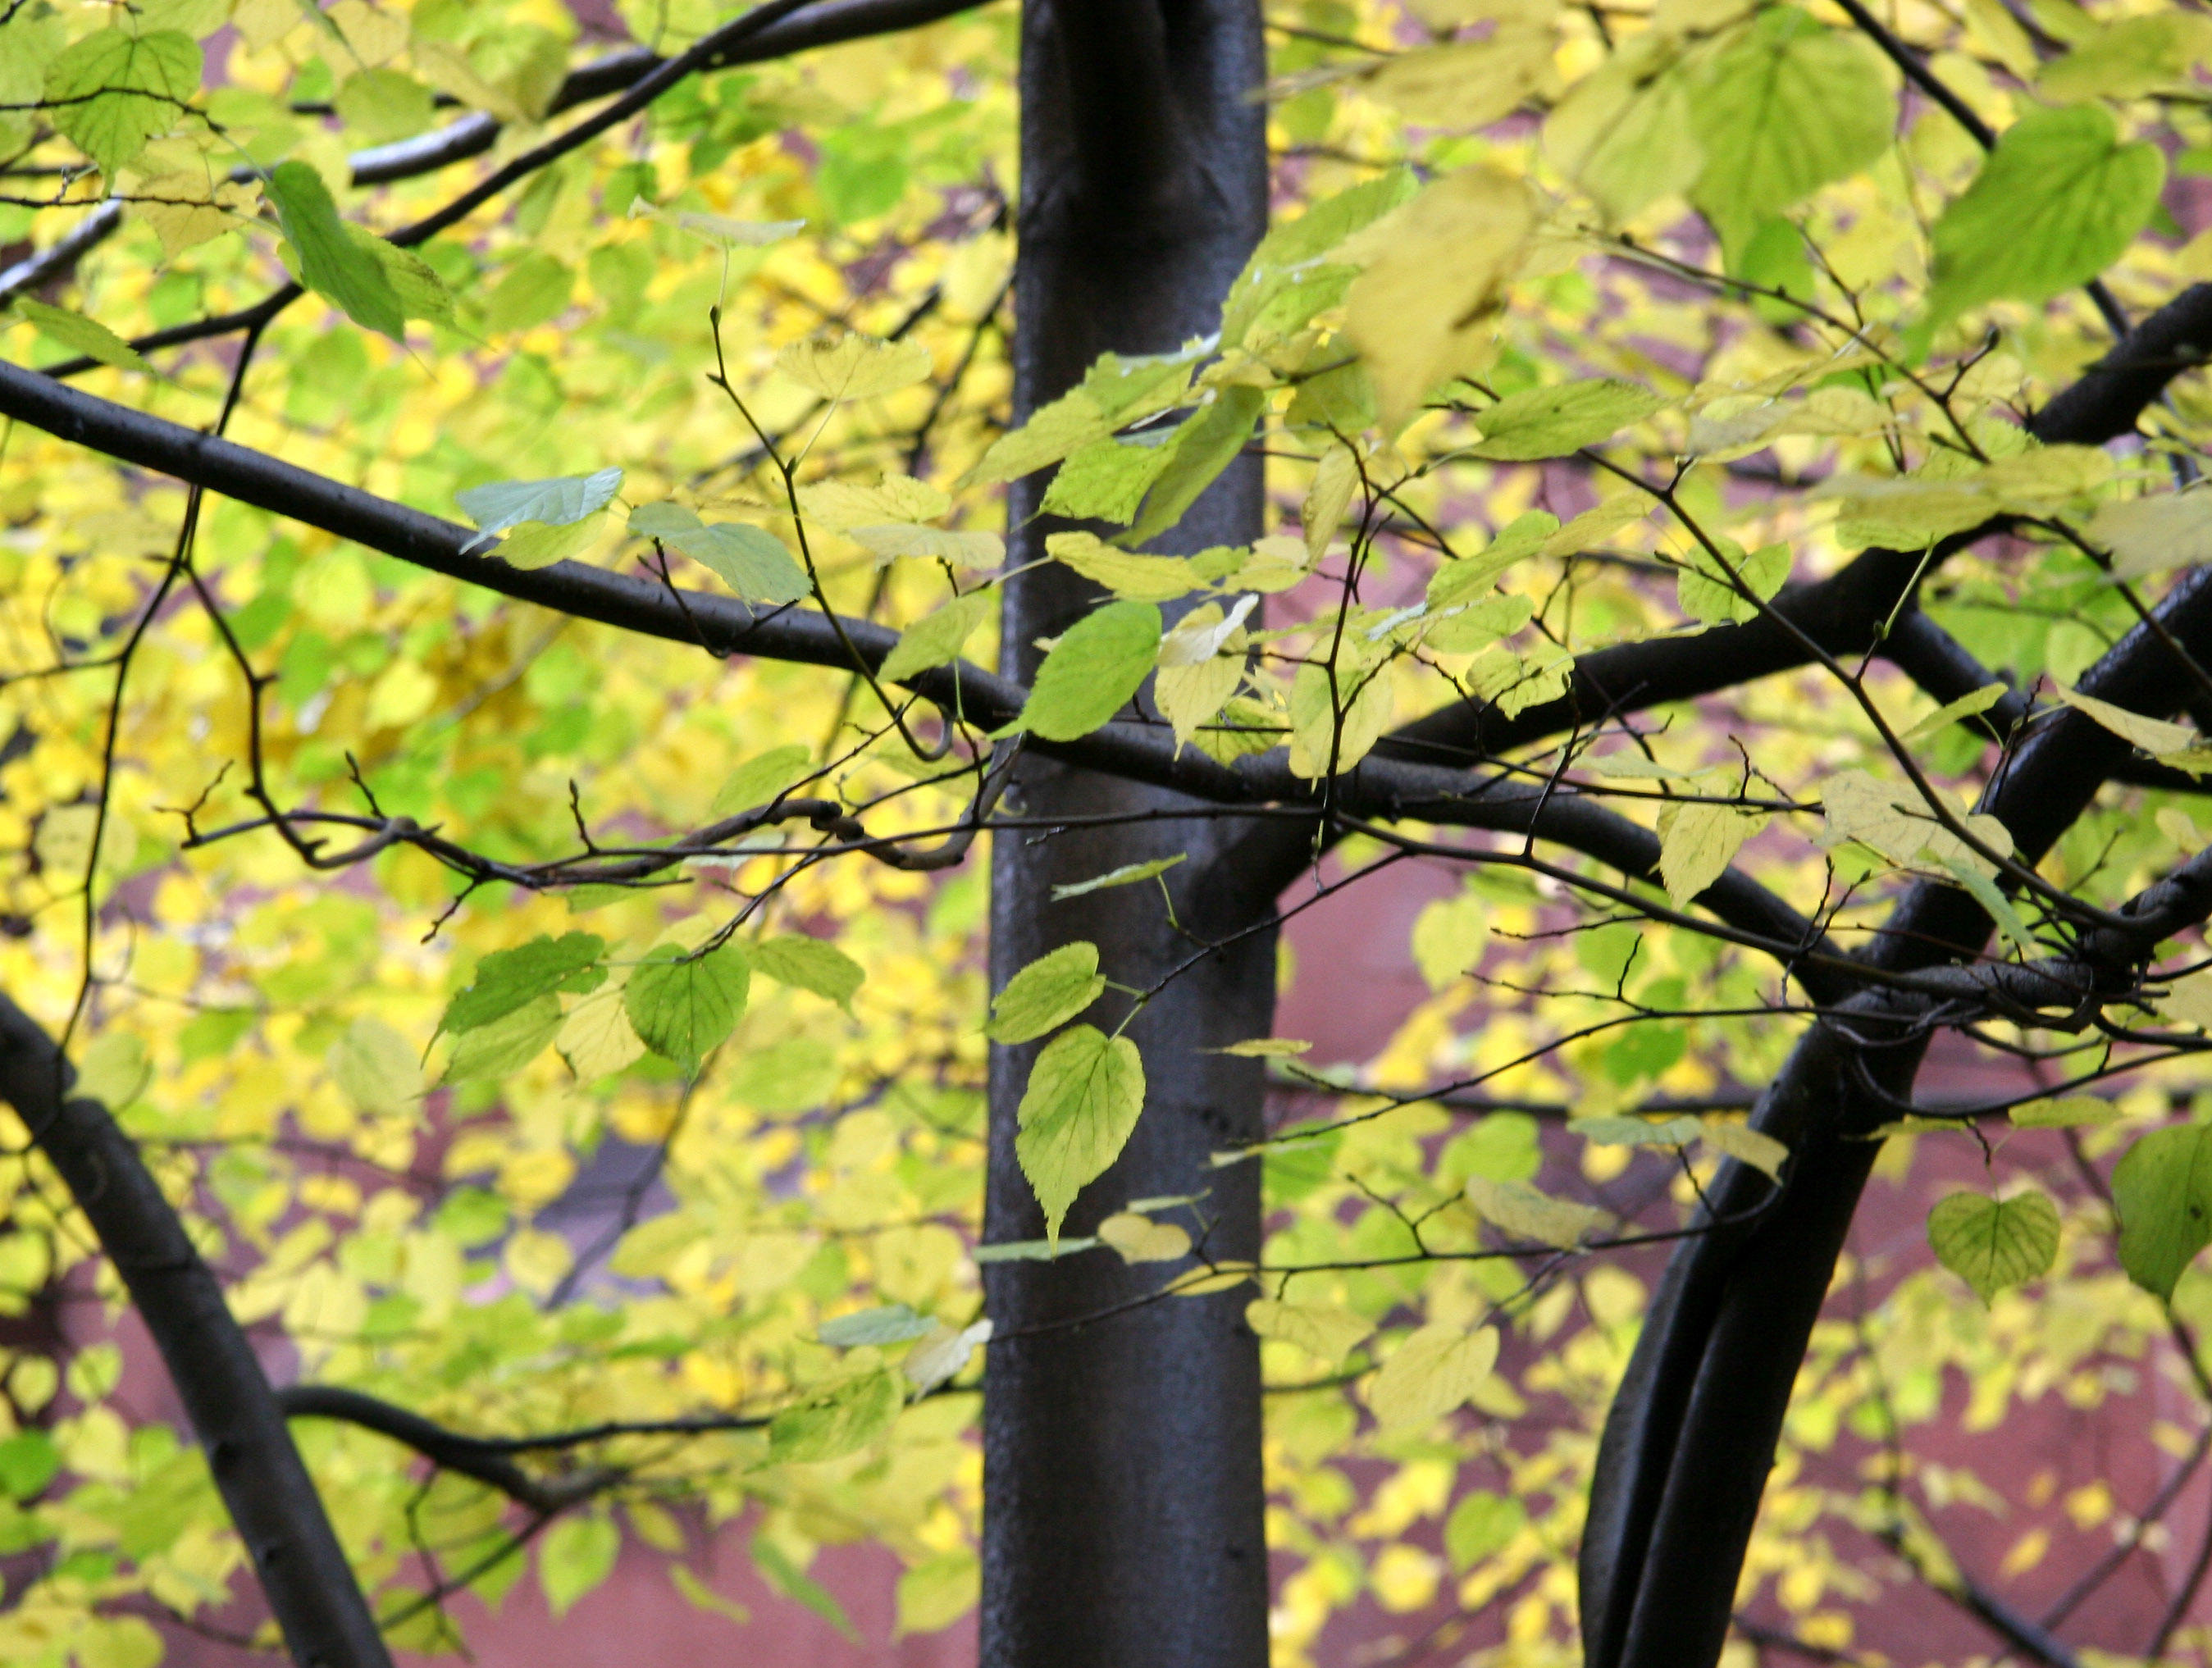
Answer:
(1084, 1092)
(331, 262)
(1994, 1244)
(2162, 1195)
(114, 89)
(685, 1003)
(1093, 671)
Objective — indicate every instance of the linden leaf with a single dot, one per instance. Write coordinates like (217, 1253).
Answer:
(2162, 1195)
(1323, 1331)
(760, 781)
(1431, 1372)
(113, 90)
(1049, 991)
(376, 1068)
(335, 264)
(1697, 843)
(1127, 875)
(1084, 1094)
(809, 964)
(507, 978)
(1745, 1144)
(1093, 671)
(2152, 735)
(684, 1004)
(893, 1323)
(556, 502)
(937, 638)
(1448, 937)
(1141, 1240)
(81, 335)
(852, 367)
(1992, 1244)
(1522, 1212)
(1551, 422)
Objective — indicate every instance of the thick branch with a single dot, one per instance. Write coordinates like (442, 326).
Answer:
(272, 1501)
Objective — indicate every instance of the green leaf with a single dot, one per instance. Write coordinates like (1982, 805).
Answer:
(28, 1461)
(1697, 843)
(1106, 480)
(852, 367)
(577, 1554)
(534, 291)
(2058, 202)
(2162, 1195)
(759, 781)
(683, 1004)
(1084, 1097)
(844, 1422)
(793, 1583)
(1551, 422)
(1449, 936)
(1093, 671)
(1049, 991)
(114, 1070)
(2129, 58)
(937, 638)
(332, 262)
(376, 1068)
(422, 294)
(1992, 1244)
(113, 90)
(809, 964)
(1789, 106)
(893, 1323)
(1127, 875)
(1208, 443)
(1705, 593)
(506, 1044)
(1951, 712)
(752, 561)
(500, 505)
(507, 978)
(1033, 1251)
(1481, 1526)
(81, 335)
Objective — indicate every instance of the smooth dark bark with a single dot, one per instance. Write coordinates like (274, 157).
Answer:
(1123, 1507)
(271, 1498)
(1692, 1430)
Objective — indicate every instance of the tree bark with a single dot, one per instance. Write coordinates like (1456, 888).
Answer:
(310, 1586)
(1123, 1513)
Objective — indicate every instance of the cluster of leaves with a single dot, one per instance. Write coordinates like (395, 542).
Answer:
(672, 1119)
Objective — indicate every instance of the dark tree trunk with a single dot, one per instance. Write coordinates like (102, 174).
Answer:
(1123, 1507)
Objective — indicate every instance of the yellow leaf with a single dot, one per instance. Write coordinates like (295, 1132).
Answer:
(1335, 477)
(2152, 735)
(1467, 83)
(1522, 1212)
(2148, 536)
(1421, 312)
(1745, 1144)
(1697, 842)
(1323, 1331)
(852, 367)
(377, 1068)
(1136, 577)
(1333, 726)
(596, 1037)
(1448, 936)
(1141, 1240)
(1431, 1372)
(841, 506)
(401, 695)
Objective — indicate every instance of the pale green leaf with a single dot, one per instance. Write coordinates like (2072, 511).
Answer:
(1047, 993)
(1084, 1094)
(507, 978)
(1697, 843)
(892, 1323)
(1951, 712)
(1127, 875)
(1449, 935)
(1994, 1244)
(1093, 671)
(1522, 1212)
(500, 505)
(1745, 1144)
(81, 335)
(852, 367)
(113, 90)
(1431, 1372)
(809, 964)
(937, 638)
(1106, 480)
(1323, 1331)
(2147, 536)
(760, 780)
(577, 1554)
(376, 1068)
(1128, 575)
(1551, 422)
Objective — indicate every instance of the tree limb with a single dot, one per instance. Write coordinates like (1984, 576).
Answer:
(303, 1571)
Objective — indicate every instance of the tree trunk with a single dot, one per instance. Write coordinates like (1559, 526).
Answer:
(1123, 1506)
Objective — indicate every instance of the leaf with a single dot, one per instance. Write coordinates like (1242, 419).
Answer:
(1455, 584)
(1745, 1144)
(1522, 1212)
(1047, 993)
(1144, 578)
(852, 367)
(1482, 1525)
(334, 263)
(1698, 842)
(2162, 1195)
(2152, 735)
(1264, 1048)
(892, 1323)
(936, 1592)
(2188, 1001)
(1139, 1238)
(1993, 1244)
(937, 638)
(1332, 729)
(1420, 312)
(809, 964)
(846, 1420)
(1208, 443)
(889, 541)
(941, 1356)
(533, 544)
(699, 1595)
(1334, 479)
(1626, 132)
(1127, 875)
(376, 1068)
(1467, 83)
(506, 1044)
(113, 90)
(1704, 589)
(2058, 202)
(114, 1070)
(752, 561)
(762, 780)
(2064, 1112)
(28, 1461)
(1631, 1131)
(1092, 672)
(1323, 1331)
(1106, 480)
(2128, 57)
(1951, 711)
(596, 1038)
(719, 230)
(81, 335)
(792, 1582)
(1084, 1094)
(1033, 1251)
(683, 1005)
(1448, 937)
(2147, 536)
(1791, 105)
(505, 979)
(1431, 1372)
(1553, 422)
(1891, 821)
(577, 1554)
(841, 506)
(556, 502)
